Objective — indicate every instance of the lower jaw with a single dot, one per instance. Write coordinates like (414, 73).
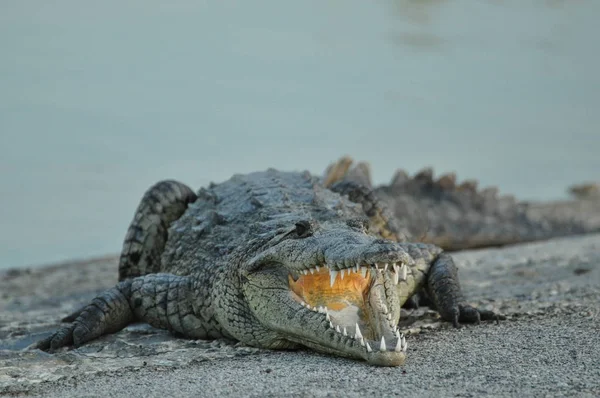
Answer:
(375, 358)
(347, 305)
(387, 359)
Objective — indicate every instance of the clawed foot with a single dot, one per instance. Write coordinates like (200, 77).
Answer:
(61, 338)
(107, 313)
(465, 313)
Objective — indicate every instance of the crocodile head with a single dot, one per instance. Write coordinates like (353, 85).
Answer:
(332, 287)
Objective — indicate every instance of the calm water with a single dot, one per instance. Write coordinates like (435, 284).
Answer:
(98, 100)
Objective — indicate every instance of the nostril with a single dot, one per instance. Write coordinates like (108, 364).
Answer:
(381, 241)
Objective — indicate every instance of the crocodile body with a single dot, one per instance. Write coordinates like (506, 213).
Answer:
(274, 260)
(283, 260)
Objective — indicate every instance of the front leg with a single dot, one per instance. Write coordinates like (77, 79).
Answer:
(435, 272)
(163, 300)
(443, 288)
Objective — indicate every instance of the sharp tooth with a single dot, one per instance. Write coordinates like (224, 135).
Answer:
(317, 268)
(382, 345)
(327, 316)
(315, 309)
(358, 334)
(404, 344)
(396, 274)
(398, 335)
(342, 274)
(363, 271)
(362, 342)
(305, 272)
(337, 329)
(398, 347)
(332, 275)
(356, 268)
(404, 271)
(345, 333)
(369, 348)
(385, 266)
(330, 324)
(312, 271)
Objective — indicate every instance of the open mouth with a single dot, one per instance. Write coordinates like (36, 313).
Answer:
(355, 302)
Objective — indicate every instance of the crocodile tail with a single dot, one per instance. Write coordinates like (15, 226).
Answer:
(342, 171)
(161, 205)
(382, 222)
(459, 216)
(355, 183)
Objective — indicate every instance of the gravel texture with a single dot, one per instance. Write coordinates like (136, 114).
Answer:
(548, 346)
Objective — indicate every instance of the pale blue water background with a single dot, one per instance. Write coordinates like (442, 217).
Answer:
(99, 100)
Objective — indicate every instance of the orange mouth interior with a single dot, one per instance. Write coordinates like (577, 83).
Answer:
(315, 289)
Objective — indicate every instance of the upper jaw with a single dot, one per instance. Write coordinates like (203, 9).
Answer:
(398, 271)
(373, 252)
(339, 258)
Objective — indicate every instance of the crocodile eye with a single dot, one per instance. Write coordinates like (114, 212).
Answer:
(303, 229)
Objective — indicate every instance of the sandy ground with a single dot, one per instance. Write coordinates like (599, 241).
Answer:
(548, 346)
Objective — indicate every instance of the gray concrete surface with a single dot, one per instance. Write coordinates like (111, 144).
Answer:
(548, 346)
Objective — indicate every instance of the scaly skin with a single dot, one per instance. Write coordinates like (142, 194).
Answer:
(274, 260)
(458, 216)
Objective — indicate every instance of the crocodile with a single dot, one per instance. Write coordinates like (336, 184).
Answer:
(275, 260)
(284, 260)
